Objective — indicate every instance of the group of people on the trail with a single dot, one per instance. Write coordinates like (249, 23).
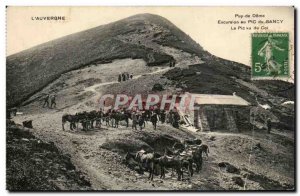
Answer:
(50, 101)
(183, 155)
(172, 64)
(113, 117)
(124, 77)
(140, 118)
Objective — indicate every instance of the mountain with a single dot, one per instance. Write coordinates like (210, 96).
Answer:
(31, 70)
(82, 67)
(136, 37)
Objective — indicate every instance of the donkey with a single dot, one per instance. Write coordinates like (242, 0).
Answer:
(205, 149)
(117, 117)
(149, 160)
(197, 158)
(176, 161)
(72, 119)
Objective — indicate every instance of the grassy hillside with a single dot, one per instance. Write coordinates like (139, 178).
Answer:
(33, 69)
(220, 76)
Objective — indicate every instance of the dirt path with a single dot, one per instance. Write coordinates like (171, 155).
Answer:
(105, 170)
(94, 87)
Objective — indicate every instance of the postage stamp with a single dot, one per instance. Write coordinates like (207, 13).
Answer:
(270, 55)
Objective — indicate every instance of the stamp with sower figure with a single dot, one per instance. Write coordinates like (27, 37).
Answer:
(270, 55)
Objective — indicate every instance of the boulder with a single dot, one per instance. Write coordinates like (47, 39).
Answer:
(188, 72)
(238, 180)
(157, 87)
(27, 123)
(229, 167)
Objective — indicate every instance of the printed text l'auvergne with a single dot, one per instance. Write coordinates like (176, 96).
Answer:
(42, 18)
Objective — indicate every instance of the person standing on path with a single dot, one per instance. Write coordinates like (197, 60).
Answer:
(52, 101)
(119, 78)
(46, 100)
(154, 120)
(134, 120)
(141, 122)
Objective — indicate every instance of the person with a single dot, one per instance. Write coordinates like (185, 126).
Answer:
(99, 116)
(119, 78)
(46, 100)
(52, 101)
(123, 77)
(269, 125)
(154, 120)
(167, 117)
(176, 120)
(141, 122)
(163, 117)
(131, 76)
(134, 120)
(267, 51)
(172, 63)
(171, 117)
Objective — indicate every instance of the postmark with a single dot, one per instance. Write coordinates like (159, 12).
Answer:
(270, 55)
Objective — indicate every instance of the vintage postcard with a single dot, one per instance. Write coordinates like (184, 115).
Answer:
(150, 99)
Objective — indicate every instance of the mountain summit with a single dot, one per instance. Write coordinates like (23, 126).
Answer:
(31, 70)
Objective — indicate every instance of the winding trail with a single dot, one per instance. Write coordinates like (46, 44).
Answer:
(95, 86)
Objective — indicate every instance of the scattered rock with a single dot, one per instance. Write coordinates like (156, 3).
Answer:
(75, 142)
(212, 138)
(27, 124)
(24, 139)
(238, 180)
(257, 146)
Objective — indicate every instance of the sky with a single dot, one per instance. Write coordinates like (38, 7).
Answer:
(201, 23)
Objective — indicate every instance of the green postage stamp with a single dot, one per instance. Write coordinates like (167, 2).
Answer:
(270, 55)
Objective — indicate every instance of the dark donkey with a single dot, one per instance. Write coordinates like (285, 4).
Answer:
(176, 162)
(72, 119)
(117, 116)
(148, 160)
(197, 158)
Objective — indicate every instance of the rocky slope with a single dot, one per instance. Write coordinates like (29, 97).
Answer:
(35, 165)
(46, 62)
